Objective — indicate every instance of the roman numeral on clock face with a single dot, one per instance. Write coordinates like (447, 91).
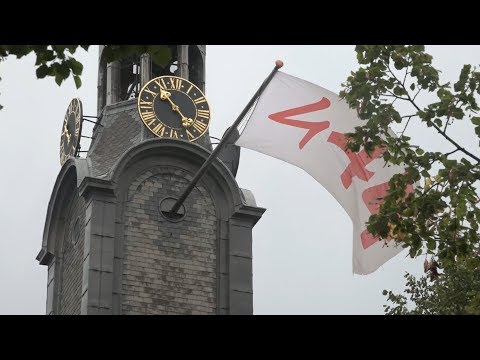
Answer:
(151, 91)
(148, 115)
(199, 126)
(159, 84)
(145, 104)
(190, 135)
(199, 100)
(159, 129)
(175, 83)
(164, 85)
(203, 113)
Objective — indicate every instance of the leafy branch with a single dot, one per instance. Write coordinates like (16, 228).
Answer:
(58, 61)
(441, 218)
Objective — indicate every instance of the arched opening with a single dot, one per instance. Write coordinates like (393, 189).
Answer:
(129, 78)
(170, 69)
(195, 67)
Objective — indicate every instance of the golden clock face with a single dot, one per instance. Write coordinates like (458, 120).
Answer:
(172, 107)
(71, 130)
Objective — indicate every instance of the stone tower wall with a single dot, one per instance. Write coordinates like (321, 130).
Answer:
(168, 267)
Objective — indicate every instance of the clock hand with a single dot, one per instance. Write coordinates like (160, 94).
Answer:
(165, 95)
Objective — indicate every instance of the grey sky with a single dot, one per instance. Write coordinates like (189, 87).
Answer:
(302, 246)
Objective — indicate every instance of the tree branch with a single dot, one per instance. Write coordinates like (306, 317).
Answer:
(395, 96)
(452, 152)
(446, 124)
(436, 184)
(405, 128)
(391, 72)
(465, 151)
(418, 92)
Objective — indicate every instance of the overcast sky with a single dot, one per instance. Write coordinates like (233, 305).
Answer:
(302, 246)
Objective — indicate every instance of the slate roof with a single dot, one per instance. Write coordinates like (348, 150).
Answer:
(121, 128)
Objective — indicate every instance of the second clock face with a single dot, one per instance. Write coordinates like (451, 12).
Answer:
(71, 130)
(173, 107)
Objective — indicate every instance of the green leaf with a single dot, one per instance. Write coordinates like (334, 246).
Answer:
(477, 130)
(161, 55)
(458, 113)
(461, 209)
(399, 91)
(431, 244)
(19, 50)
(76, 66)
(78, 81)
(48, 55)
(63, 70)
(72, 48)
(42, 71)
(476, 120)
(108, 54)
(58, 79)
(399, 64)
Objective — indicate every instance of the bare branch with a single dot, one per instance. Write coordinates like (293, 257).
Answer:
(452, 152)
(405, 128)
(446, 124)
(418, 92)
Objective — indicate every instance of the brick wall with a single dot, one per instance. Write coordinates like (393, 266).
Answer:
(71, 273)
(168, 268)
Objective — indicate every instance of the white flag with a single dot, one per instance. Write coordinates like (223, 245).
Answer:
(304, 124)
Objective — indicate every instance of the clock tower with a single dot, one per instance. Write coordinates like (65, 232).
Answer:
(110, 243)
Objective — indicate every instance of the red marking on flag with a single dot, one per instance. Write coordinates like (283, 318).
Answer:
(313, 127)
(358, 161)
(373, 198)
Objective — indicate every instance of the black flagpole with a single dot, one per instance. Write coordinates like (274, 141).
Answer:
(213, 155)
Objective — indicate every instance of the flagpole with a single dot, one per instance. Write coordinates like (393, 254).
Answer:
(213, 155)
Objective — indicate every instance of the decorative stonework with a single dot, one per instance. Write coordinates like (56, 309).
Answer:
(72, 259)
(169, 268)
